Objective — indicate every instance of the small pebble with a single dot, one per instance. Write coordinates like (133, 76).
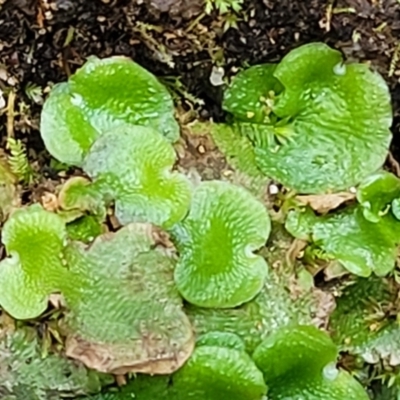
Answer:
(273, 189)
(2, 101)
(216, 77)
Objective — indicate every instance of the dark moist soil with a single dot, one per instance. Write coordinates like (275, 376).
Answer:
(44, 41)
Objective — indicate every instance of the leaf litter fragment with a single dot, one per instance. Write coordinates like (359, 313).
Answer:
(324, 203)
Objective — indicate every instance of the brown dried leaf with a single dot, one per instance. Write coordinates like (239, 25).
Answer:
(56, 300)
(49, 202)
(335, 270)
(112, 358)
(323, 203)
(295, 250)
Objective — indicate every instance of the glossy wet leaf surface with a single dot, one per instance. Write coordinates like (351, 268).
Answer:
(376, 193)
(85, 229)
(213, 370)
(133, 166)
(251, 94)
(395, 208)
(298, 362)
(340, 115)
(301, 350)
(360, 323)
(361, 246)
(99, 97)
(216, 241)
(344, 386)
(35, 241)
(332, 126)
